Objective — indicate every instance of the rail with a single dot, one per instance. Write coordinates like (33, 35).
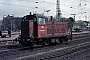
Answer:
(48, 52)
(61, 52)
(8, 42)
(12, 41)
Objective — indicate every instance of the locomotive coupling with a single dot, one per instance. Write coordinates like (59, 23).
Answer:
(16, 39)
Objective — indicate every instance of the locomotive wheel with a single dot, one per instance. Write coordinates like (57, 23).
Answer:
(23, 43)
(43, 43)
(46, 41)
(66, 40)
(60, 40)
(31, 45)
(57, 40)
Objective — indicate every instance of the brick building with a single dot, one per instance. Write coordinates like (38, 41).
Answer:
(12, 23)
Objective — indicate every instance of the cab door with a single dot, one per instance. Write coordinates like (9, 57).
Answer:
(42, 27)
(35, 28)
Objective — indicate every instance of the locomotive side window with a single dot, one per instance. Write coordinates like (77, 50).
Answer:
(41, 20)
(34, 19)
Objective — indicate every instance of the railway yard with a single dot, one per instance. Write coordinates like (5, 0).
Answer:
(77, 49)
(44, 30)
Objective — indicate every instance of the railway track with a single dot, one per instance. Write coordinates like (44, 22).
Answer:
(80, 35)
(56, 52)
(8, 42)
(61, 53)
(67, 51)
(20, 52)
(13, 42)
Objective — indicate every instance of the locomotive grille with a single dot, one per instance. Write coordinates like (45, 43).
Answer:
(25, 28)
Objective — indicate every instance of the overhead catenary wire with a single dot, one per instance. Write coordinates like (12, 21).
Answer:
(39, 8)
(15, 5)
(29, 1)
(19, 6)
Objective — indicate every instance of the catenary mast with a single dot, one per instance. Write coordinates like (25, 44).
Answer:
(58, 11)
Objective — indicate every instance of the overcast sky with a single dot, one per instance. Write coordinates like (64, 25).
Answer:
(20, 8)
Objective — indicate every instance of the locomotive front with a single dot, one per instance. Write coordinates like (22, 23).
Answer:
(31, 29)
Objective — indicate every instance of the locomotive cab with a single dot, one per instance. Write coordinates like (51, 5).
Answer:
(32, 27)
(42, 27)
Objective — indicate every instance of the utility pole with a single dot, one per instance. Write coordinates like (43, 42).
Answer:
(74, 16)
(11, 22)
(81, 8)
(71, 20)
(74, 20)
(58, 11)
(52, 25)
(14, 25)
(4, 22)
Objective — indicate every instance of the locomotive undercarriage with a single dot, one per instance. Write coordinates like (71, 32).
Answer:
(41, 41)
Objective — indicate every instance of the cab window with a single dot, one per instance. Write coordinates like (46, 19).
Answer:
(41, 20)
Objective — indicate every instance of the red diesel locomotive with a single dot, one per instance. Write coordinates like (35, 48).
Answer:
(36, 29)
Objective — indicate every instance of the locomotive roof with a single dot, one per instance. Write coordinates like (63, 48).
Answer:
(28, 17)
(31, 17)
